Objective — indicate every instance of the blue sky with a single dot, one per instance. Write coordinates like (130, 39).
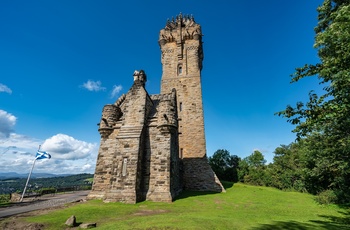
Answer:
(62, 61)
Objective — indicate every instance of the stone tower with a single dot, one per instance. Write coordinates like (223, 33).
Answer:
(181, 56)
(153, 146)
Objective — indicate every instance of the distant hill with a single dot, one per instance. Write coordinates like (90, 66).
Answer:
(12, 182)
(8, 175)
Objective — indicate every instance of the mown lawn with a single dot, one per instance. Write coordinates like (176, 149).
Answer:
(241, 207)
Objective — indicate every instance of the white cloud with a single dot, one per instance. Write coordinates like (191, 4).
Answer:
(17, 151)
(69, 155)
(116, 90)
(86, 167)
(65, 147)
(7, 123)
(4, 88)
(93, 85)
(22, 143)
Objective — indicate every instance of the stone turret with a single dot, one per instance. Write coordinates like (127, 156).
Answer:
(110, 115)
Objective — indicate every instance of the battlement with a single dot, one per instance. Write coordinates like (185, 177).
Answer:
(179, 29)
(182, 20)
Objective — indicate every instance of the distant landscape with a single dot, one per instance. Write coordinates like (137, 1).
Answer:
(13, 182)
(7, 175)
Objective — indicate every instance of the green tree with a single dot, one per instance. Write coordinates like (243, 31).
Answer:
(329, 112)
(322, 171)
(224, 165)
(252, 169)
(256, 159)
(243, 169)
(327, 116)
(287, 170)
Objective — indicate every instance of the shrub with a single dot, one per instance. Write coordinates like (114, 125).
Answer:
(4, 198)
(326, 197)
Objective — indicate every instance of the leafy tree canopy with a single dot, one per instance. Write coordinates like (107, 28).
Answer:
(224, 165)
(327, 113)
(256, 159)
(324, 120)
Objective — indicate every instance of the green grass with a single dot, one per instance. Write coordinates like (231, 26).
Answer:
(5, 204)
(89, 179)
(241, 207)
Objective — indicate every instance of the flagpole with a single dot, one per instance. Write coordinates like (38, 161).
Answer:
(25, 187)
(30, 173)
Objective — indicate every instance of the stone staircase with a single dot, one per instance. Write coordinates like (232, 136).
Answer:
(130, 132)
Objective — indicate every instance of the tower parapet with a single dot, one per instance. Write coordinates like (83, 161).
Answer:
(181, 28)
(181, 40)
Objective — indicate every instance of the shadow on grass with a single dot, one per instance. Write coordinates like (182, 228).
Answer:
(340, 220)
(329, 223)
(185, 194)
(4, 205)
(227, 184)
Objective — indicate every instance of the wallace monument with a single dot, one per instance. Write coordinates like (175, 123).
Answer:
(153, 146)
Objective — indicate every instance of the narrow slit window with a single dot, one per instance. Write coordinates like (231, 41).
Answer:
(180, 106)
(179, 70)
(125, 160)
(181, 153)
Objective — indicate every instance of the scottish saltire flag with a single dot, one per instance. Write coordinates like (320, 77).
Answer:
(42, 155)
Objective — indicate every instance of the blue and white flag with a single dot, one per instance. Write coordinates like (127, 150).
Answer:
(42, 155)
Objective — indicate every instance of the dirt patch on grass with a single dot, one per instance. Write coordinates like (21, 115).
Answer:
(16, 225)
(17, 222)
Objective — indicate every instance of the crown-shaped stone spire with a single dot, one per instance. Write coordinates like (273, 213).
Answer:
(180, 28)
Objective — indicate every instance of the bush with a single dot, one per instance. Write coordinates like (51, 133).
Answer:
(326, 197)
(299, 186)
(4, 198)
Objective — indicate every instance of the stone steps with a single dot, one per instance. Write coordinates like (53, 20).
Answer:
(130, 132)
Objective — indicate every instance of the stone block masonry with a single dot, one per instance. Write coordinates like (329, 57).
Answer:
(153, 146)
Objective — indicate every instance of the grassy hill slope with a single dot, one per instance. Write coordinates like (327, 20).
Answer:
(241, 207)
